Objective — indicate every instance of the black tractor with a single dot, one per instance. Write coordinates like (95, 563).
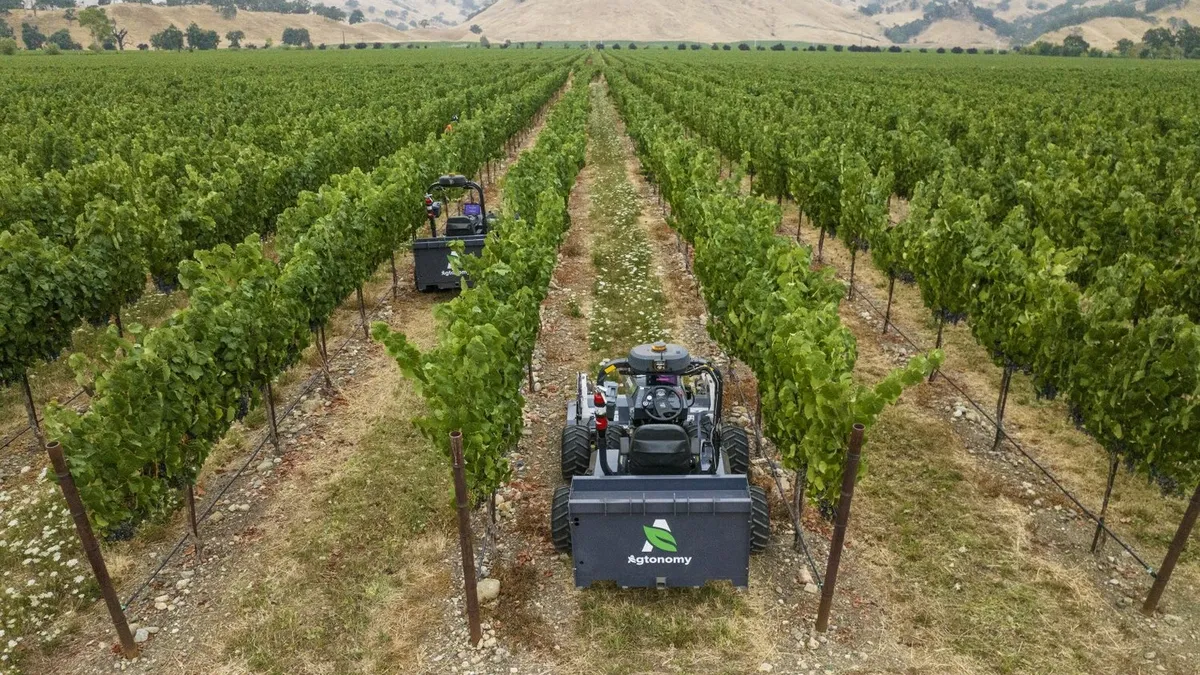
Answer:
(658, 494)
(432, 255)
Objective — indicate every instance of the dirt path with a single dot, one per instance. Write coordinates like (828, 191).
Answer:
(270, 534)
(541, 623)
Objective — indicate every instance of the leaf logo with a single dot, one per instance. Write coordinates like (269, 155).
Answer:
(658, 536)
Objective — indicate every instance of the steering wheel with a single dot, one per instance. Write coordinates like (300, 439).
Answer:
(663, 404)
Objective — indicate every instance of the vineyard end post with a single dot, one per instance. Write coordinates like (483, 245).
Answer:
(1177, 545)
(849, 475)
(91, 549)
(465, 540)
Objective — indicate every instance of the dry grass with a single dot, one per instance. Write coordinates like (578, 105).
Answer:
(710, 630)
(966, 588)
(358, 583)
(142, 21)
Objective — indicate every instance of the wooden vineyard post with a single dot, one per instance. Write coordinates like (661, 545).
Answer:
(941, 327)
(887, 314)
(273, 429)
(821, 247)
(91, 549)
(31, 411)
(1099, 537)
(192, 520)
(362, 314)
(395, 278)
(321, 350)
(1177, 545)
(1001, 404)
(853, 261)
(465, 540)
(799, 487)
(849, 476)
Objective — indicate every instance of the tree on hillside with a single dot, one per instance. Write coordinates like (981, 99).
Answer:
(1075, 45)
(1158, 39)
(6, 30)
(69, 16)
(334, 13)
(357, 16)
(62, 40)
(234, 38)
(476, 29)
(7, 5)
(95, 20)
(228, 9)
(170, 39)
(297, 37)
(198, 38)
(32, 37)
(104, 30)
(484, 42)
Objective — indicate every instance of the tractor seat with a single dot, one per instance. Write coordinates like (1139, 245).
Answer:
(660, 449)
(460, 226)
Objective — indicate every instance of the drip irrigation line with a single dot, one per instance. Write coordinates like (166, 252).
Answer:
(309, 385)
(1012, 441)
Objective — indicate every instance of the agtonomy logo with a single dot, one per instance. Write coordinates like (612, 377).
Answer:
(658, 536)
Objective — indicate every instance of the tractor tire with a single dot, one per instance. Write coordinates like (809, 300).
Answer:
(576, 450)
(736, 445)
(560, 519)
(760, 520)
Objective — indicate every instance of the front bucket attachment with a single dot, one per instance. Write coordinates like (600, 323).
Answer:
(431, 261)
(660, 531)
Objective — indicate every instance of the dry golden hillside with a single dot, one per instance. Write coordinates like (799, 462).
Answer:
(142, 21)
(960, 33)
(1104, 33)
(697, 20)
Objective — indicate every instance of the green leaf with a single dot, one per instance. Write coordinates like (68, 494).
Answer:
(659, 538)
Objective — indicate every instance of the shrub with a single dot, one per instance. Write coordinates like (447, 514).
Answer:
(51, 49)
(941, 50)
(837, 48)
(8, 46)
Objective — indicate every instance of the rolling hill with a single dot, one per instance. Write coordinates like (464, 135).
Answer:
(142, 21)
(696, 20)
(923, 23)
